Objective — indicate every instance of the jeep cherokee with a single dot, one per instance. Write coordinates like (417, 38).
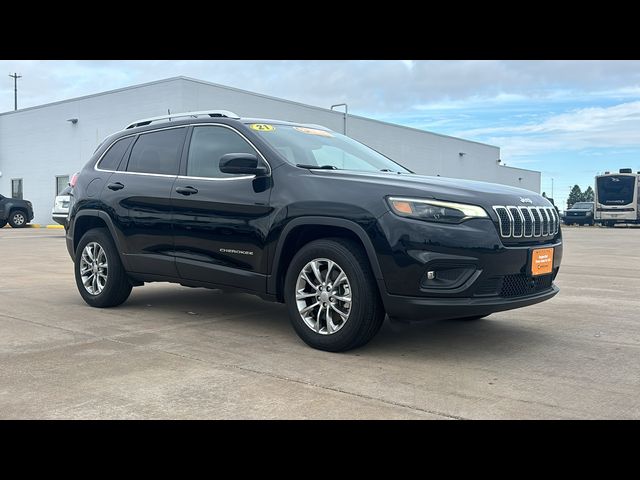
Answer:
(303, 215)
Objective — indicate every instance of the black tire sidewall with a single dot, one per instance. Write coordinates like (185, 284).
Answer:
(360, 312)
(115, 276)
(15, 212)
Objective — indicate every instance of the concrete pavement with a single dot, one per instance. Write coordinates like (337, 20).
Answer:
(176, 352)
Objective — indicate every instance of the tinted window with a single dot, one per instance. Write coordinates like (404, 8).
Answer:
(112, 158)
(157, 152)
(208, 144)
(616, 190)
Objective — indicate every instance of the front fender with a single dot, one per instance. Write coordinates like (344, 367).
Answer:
(272, 282)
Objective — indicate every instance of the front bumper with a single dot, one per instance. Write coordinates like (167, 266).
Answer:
(493, 277)
(413, 308)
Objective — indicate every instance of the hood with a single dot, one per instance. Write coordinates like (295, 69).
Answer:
(474, 192)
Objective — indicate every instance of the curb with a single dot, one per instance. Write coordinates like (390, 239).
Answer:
(37, 225)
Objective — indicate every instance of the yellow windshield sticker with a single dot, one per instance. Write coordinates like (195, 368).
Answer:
(262, 127)
(313, 131)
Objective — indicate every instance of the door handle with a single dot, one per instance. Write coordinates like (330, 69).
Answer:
(115, 186)
(186, 190)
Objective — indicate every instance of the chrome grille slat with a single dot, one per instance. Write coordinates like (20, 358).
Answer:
(525, 222)
(554, 224)
(528, 221)
(537, 221)
(518, 221)
(503, 220)
(544, 230)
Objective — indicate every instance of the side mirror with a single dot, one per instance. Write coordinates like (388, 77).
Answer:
(241, 164)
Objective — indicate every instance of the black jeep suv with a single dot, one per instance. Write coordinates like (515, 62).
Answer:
(18, 213)
(306, 216)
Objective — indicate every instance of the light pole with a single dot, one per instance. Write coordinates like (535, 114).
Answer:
(346, 112)
(15, 77)
(551, 187)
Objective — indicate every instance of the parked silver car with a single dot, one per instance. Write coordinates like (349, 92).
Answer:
(61, 206)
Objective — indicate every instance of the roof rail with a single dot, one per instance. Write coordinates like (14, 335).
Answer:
(171, 116)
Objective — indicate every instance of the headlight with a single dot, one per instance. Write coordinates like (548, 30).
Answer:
(435, 210)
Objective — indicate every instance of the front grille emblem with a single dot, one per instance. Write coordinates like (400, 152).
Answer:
(525, 200)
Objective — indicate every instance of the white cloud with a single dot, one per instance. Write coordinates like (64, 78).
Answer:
(373, 87)
(593, 127)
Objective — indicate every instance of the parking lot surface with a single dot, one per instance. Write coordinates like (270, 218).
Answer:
(176, 352)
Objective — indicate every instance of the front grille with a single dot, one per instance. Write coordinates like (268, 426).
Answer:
(520, 285)
(517, 222)
(490, 286)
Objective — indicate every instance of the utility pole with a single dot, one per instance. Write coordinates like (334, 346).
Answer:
(15, 77)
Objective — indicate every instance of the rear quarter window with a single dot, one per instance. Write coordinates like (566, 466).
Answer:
(111, 160)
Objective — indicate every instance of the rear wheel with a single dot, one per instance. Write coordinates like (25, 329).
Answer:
(100, 276)
(2, 223)
(18, 219)
(332, 296)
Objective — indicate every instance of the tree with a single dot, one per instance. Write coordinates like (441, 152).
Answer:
(574, 196)
(588, 195)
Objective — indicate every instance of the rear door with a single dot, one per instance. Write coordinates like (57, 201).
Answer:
(220, 220)
(140, 195)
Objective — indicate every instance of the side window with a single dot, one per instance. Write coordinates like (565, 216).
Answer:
(111, 159)
(208, 144)
(157, 152)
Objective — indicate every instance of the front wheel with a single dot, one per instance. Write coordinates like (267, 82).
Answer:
(332, 295)
(18, 219)
(100, 276)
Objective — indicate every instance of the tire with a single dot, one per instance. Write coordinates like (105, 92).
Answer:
(116, 286)
(18, 219)
(2, 223)
(365, 312)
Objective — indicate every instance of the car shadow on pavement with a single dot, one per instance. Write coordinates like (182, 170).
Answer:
(493, 336)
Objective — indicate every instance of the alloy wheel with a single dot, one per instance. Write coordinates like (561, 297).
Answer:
(323, 296)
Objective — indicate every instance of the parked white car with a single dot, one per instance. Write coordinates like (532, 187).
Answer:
(61, 206)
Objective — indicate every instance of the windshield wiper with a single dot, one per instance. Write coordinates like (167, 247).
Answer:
(390, 171)
(311, 167)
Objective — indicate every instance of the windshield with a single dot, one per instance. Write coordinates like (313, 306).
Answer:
(314, 147)
(616, 189)
(582, 205)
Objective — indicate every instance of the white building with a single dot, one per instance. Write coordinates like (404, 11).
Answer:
(40, 147)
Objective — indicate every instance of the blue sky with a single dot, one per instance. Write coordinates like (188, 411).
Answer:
(568, 119)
